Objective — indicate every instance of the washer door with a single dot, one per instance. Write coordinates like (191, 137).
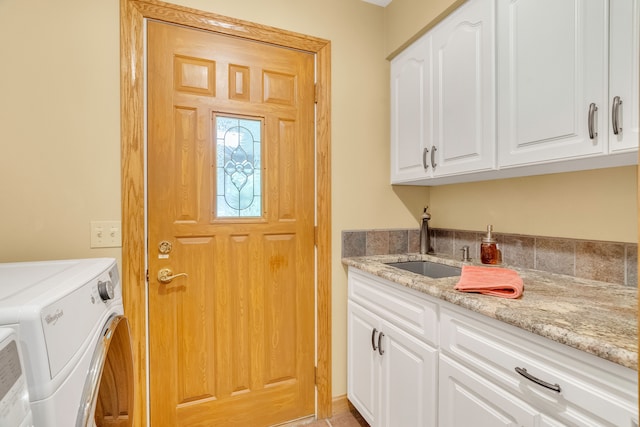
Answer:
(107, 398)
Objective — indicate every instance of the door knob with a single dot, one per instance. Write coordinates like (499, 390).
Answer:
(165, 275)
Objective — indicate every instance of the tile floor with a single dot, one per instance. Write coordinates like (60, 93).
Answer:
(345, 419)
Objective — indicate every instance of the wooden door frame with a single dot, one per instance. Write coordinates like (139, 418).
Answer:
(133, 14)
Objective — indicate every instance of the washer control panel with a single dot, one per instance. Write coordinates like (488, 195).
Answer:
(106, 290)
(14, 396)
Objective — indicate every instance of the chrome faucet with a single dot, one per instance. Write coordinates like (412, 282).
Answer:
(465, 254)
(425, 235)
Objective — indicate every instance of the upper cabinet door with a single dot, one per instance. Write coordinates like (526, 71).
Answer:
(624, 45)
(464, 90)
(552, 80)
(411, 112)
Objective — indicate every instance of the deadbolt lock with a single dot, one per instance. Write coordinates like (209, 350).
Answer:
(164, 247)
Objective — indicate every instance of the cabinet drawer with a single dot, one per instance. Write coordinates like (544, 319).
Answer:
(405, 308)
(592, 391)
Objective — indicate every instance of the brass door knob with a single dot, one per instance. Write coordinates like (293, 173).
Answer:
(166, 275)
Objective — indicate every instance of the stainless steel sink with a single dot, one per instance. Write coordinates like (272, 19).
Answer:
(428, 268)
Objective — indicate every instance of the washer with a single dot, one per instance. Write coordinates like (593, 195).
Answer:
(69, 319)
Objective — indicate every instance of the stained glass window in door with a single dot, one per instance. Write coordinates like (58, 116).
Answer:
(238, 167)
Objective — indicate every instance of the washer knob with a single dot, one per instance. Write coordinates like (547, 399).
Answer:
(105, 290)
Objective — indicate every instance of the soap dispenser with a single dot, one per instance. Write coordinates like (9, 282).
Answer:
(489, 253)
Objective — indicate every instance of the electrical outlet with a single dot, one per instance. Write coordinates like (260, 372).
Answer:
(106, 234)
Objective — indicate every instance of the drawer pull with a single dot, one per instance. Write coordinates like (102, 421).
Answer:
(373, 339)
(524, 373)
(380, 350)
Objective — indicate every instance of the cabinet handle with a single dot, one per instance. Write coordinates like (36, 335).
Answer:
(615, 115)
(524, 373)
(373, 339)
(433, 157)
(380, 350)
(424, 158)
(593, 109)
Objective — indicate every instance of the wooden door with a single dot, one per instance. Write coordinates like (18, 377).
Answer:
(231, 193)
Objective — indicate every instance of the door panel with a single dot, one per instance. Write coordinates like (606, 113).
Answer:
(232, 342)
(463, 90)
(552, 60)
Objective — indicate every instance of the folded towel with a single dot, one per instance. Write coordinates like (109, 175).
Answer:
(496, 281)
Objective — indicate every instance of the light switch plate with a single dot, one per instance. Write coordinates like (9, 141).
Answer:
(106, 234)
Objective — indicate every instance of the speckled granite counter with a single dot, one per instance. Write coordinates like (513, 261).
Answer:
(595, 317)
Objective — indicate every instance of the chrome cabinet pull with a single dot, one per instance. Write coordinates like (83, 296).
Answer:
(380, 350)
(615, 115)
(524, 373)
(593, 109)
(373, 339)
(433, 157)
(424, 158)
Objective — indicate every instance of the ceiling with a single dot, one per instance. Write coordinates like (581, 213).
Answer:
(382, 3)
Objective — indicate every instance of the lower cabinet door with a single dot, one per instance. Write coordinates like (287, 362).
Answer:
(363, 362)
(467, 399)
(409, 380)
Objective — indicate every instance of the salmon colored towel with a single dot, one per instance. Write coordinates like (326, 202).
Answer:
(496, 281)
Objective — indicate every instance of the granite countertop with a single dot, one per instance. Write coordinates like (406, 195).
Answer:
(596, 317)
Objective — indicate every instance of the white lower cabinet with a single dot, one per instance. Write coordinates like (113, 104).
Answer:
(392, 374)
(524, 379)
(363, 367)
(414, 360)
(468, 399)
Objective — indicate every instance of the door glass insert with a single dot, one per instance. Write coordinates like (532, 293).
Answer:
(238, 167)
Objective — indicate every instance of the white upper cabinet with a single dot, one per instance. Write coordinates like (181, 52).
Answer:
(624, 48)
(554, 100)
(464, 91)
(507, 88)
(443, 98)
(411, 116)
(551, 78)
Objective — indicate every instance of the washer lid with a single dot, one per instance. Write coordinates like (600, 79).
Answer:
(19, 277)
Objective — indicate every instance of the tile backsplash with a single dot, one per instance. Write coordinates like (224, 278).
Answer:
(612, 262)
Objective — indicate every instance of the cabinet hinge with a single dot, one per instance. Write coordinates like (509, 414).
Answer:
(315, 235)
(315, 375)
(315, 93)
(147, 276)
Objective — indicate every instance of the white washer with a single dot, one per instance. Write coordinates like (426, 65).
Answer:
(66, 314)
(14, 395)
